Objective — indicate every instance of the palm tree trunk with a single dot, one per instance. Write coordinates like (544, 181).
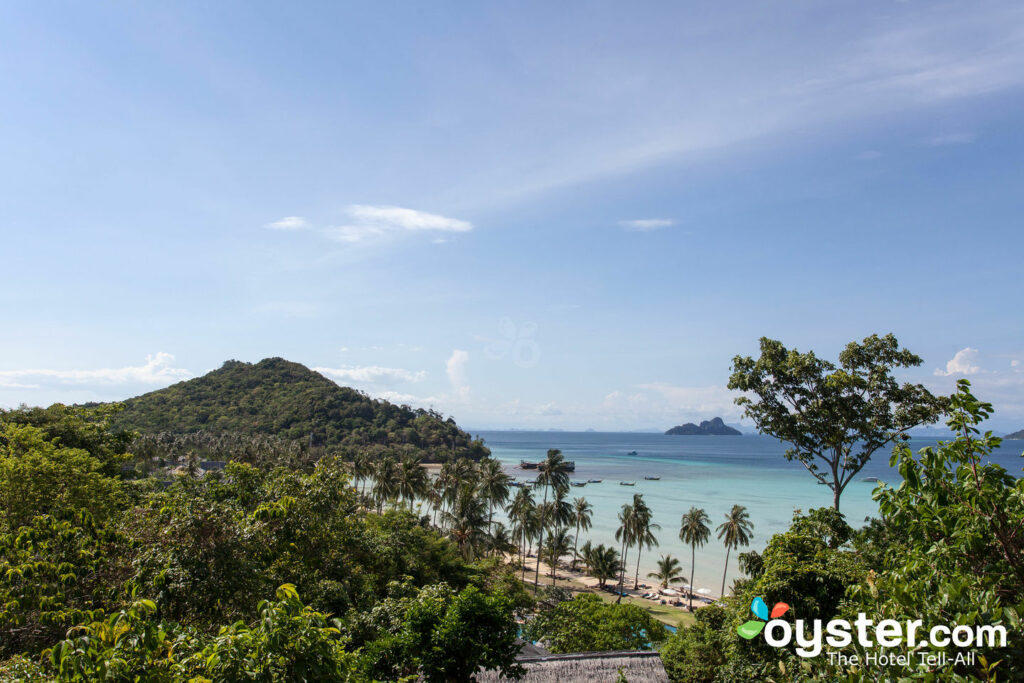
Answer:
(622, 570)
(636, 578)
(725, 571)
(575, 543)
(693, 558)
(522, 555)
(536, 578)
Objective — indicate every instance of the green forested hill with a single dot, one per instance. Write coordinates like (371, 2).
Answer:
(276, 397)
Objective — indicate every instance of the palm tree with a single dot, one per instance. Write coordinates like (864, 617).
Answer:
(582, 511)
(521, 513)
(557, 545)
(466, 522)
(586, 554)
(694, 531)
(361, 468)
(624, 534)
(384, 485)
(493, 485)
(668, 571)
(643, 532)
(411, 479)
(554, 473)
(604, 564)
(499, 539)
(735, 531)
(434, 497)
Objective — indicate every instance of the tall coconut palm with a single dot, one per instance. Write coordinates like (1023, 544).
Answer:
(624, 534)
(582, 512)
(554, 475)
(361, 469)
(643, 532)
(735, 531)
(668, 571)
(695, 532)
(411, 480)
(494, 486)
(467, 521)
(434, 497)
(521, 513)
(556, 546)
(384, 485)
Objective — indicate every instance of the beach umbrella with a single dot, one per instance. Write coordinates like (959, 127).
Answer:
(705, 591)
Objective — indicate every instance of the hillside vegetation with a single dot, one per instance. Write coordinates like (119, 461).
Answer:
(286, 400)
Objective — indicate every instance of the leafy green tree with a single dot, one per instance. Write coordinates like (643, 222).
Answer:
(698, 653)
(668, 572)
(835, 417)
(695, 532)
(38, 476)
(588, 624)
(289, 642)
(953, 539)
(443, 636)
(735, 531)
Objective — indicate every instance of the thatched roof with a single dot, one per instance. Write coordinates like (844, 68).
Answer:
(599, 667)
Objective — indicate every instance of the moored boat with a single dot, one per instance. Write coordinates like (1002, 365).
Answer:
(627, 483)
(652, 478)
(594, 481)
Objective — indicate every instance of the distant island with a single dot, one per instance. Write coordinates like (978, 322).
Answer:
(1019, 434)
(714, 427)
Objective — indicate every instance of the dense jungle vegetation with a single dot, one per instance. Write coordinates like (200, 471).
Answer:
(285, 400)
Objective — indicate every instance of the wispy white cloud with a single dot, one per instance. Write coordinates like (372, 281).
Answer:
(963, 363)
(288, 223)
(158, 369)
(369, 222)
(647, 224)
(372, 374)
(455, 368)
(949, 139)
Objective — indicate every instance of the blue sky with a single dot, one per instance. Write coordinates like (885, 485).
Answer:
(523, 214)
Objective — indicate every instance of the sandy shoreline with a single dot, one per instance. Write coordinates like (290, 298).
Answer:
(579, 582)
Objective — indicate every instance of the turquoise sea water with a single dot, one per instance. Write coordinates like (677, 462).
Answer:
(713, 472)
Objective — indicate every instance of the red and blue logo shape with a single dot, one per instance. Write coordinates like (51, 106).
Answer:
(750, 629)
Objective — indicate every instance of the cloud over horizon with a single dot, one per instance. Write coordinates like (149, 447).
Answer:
(157, 369)
(372, 374)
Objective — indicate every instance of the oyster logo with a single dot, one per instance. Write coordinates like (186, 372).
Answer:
(750, 629)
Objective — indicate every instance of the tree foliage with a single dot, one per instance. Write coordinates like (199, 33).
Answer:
(834, 417)
(587, 623)
(278, 398)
